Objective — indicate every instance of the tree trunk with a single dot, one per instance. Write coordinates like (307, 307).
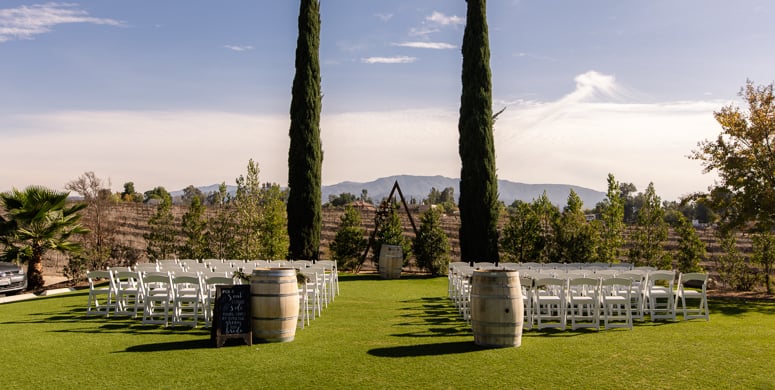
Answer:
(35, 280)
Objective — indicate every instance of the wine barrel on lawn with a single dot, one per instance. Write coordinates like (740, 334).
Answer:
(496, 308)
(391, 259)
(274, 295)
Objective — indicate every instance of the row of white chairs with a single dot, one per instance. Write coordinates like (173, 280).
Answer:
(183, 296)
(161, 297)
(320, 286)
(246, 267)
(533, 266)
(552, 298)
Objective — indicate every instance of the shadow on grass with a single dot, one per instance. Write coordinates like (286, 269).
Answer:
(129, 328)
(76, 314)
(171, 346)
(736, 306)
(438, 349)
(431, 317)
(557, 333)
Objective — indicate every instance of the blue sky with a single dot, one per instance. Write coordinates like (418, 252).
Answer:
(181, 92)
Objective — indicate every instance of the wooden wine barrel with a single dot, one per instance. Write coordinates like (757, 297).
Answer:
(274, 295)
(496, 308)
(391, 259)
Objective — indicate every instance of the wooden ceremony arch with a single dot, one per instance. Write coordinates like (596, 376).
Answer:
(384, 208)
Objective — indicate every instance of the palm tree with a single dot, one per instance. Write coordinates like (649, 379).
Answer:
(37, 220)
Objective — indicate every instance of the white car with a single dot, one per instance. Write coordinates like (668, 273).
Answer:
(12, 278)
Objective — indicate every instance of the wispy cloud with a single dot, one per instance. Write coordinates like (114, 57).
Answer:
(389, 60)
(349, 46)
(239, 47)
(593, 84)
(597, 128)
(535, 57)
(432, 23)
(25, 22)
(422, 31)
(427, 45)
(444, 20)
(384, 17)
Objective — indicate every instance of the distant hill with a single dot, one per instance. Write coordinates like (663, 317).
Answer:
(418, 187)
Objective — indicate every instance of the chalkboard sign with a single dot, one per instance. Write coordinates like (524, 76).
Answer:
(231, 315)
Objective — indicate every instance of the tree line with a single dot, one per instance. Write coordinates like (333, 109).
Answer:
(248, 224)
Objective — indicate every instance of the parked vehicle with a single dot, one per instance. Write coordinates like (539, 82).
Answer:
(12, 278)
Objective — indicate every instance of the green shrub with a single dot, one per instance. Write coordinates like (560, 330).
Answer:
(691, 249)
(431, 246)
(390, 232)
(75, 269)
(349, 241)
(732, 268)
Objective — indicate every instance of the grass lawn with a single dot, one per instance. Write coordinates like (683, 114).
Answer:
(383, 334)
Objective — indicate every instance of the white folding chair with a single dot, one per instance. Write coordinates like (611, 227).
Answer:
(621, 267)
(146, 267)
(700, 296)
(660, 295)
(550, 300)
(185, 263)
(130, 292)
(167, 263)
(572, 266)
(607, 273)
(573, 273)
(554, 266)
(526, 282)
(616, 302)
(101, 298)
(197, 267)
(461, 290)
(158, 298)
(170, 267)
(484, 265)
(187, 300)
(302, 263)
(222, 267)
(303, 307)
(637, 293)
(324, 283)
(453, 266)
(331, 266)
(583, 303)
(314, 285)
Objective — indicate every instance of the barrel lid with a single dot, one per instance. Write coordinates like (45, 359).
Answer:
(279, 271)
(496, 271)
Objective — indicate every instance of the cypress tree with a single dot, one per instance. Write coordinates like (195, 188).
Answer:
(478, 182)
(305, 156)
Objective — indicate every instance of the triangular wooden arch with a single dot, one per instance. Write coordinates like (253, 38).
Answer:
(384, 208)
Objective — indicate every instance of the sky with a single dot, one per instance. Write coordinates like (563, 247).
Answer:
(185, 92)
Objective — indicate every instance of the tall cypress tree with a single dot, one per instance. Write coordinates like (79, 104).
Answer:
(478, 182)
(305, 156)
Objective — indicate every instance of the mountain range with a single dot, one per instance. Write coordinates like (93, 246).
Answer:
(418, 187)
